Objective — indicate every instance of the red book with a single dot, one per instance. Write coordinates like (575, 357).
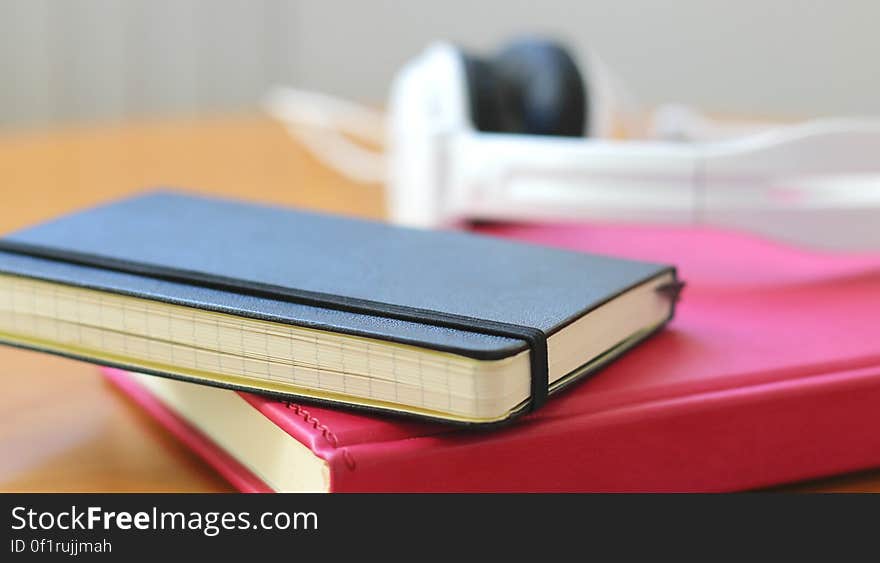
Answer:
(770, 373)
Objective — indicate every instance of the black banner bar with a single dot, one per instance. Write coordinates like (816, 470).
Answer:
(121, 526)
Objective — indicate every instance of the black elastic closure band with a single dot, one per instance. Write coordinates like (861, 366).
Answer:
(671, 290)
(535, 338)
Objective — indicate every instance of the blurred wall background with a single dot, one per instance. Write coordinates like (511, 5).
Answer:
(64, 61)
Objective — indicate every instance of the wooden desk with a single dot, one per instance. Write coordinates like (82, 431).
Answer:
(61, 427)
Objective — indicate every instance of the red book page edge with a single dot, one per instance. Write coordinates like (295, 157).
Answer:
(227, 466)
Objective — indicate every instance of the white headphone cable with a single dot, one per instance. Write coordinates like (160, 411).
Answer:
(323, 124)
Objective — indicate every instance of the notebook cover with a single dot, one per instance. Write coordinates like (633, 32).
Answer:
(480, 297)
(769, 374)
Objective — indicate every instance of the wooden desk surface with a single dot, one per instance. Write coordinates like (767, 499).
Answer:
(61, 427)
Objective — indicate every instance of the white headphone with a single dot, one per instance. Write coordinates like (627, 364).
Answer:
(534, 135)
(815, 183)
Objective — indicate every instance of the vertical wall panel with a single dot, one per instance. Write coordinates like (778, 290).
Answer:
(230, 53)
(25, 62)
(89, 52)
(281, 42)
(161, 65)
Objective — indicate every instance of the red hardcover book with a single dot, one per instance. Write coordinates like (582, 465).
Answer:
(770, 373)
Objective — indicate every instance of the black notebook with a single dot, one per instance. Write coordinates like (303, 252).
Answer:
(446, 325)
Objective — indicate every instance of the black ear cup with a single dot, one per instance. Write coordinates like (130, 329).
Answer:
(532, 86)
